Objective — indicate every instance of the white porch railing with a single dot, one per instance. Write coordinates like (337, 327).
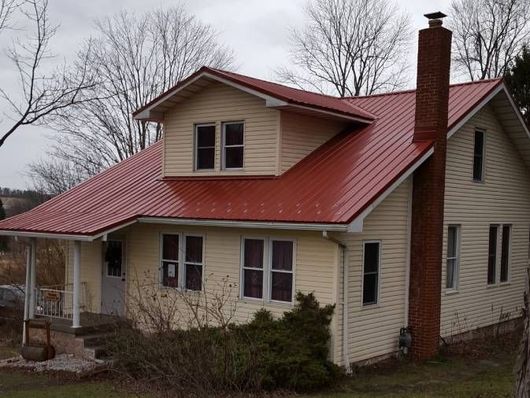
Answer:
(57, 301)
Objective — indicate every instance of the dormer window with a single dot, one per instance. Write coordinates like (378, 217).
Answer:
(205, 146)
(232, 145)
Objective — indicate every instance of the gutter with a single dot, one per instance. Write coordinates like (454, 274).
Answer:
(344, 303)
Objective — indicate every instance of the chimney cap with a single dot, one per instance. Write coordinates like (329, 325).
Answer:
(435, 15)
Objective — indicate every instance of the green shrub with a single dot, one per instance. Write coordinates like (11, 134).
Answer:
(287, 353)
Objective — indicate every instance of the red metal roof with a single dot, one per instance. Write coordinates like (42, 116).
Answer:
(334, 184)
(288, 94)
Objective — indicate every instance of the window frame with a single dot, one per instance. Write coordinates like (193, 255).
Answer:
(196, 145)
(509, 254)
(379, 266)
(457, 257)
(496, 269)
(106, 267)
(483, 156)
(224, 146)
(243, 268)
(267, 269)
(181, 262)
(269, 279)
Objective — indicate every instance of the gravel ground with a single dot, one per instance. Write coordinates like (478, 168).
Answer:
(61, 363)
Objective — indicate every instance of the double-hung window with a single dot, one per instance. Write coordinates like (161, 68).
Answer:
(205, 146)
(499, 234)
(182, 261)
(478, 156)
(267, 269)
(371, 267)
(453, 257)
(233, 145)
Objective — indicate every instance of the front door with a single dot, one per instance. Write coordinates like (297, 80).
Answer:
(113, 278)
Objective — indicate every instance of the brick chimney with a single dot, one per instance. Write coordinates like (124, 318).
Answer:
(432, 96)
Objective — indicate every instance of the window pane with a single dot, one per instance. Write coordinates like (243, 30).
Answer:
(370, 289)
(193, 277)
(170, 247)
(282, 255)
(451, 271)
(505, 254)
(451, 242)
(371, 257)
(282, 286)
(113, 257)
(253, 283)
(194, 249)
(253, 253)
(234, 157)
(492, 254)
(205, 136)
(170, 274)
(234, 134)
(478, 157)
(205, 158)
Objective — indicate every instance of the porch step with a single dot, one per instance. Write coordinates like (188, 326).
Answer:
(94, 345)
(98, 352)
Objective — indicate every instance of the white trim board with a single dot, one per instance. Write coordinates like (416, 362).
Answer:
(270, 101)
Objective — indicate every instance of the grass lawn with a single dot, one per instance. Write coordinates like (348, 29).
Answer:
(476, 373)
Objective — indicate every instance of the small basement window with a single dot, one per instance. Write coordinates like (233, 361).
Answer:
(478, 157)
(233, 145)
(204, 146)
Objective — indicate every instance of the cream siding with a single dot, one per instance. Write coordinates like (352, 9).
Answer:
(374, 330)
(302, 134)
(221, 103)
(503, 198)
(91, 259)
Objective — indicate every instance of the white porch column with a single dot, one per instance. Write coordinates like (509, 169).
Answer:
(76, 321)
(27, 292)
(33, 276)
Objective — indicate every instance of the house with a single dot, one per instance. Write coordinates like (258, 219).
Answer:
(407, 209)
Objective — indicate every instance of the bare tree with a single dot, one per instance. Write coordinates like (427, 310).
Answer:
(349, 47)
(487, 35)
(43, 94)
(7, 7)
(135, 59)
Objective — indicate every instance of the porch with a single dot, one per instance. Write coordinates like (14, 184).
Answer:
(71, 307)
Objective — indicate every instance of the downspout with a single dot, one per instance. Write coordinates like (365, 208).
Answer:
(344, 304)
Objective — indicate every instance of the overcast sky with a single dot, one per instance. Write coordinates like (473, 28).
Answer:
(256, 30)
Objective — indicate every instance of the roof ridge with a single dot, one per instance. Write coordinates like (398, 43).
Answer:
(411, 90)
(276, 83)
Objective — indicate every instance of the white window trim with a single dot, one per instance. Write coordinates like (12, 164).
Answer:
(181, 263)
(267, 270)
(196, 146)
(458, 228)
(484, 141)
(379, 273)
(224, 146)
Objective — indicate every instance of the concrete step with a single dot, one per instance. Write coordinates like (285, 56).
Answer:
(95, 340)
(97, 352)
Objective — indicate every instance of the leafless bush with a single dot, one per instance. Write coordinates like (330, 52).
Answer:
(160, 310)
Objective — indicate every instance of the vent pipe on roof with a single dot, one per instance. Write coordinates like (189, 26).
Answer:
(432, 97)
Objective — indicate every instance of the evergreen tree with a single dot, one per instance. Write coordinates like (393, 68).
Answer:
(3, 239)
(518, 80)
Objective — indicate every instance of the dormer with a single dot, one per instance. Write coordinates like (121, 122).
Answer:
(221, 124)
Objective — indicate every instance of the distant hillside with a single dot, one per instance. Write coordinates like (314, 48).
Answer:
(17, 201)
